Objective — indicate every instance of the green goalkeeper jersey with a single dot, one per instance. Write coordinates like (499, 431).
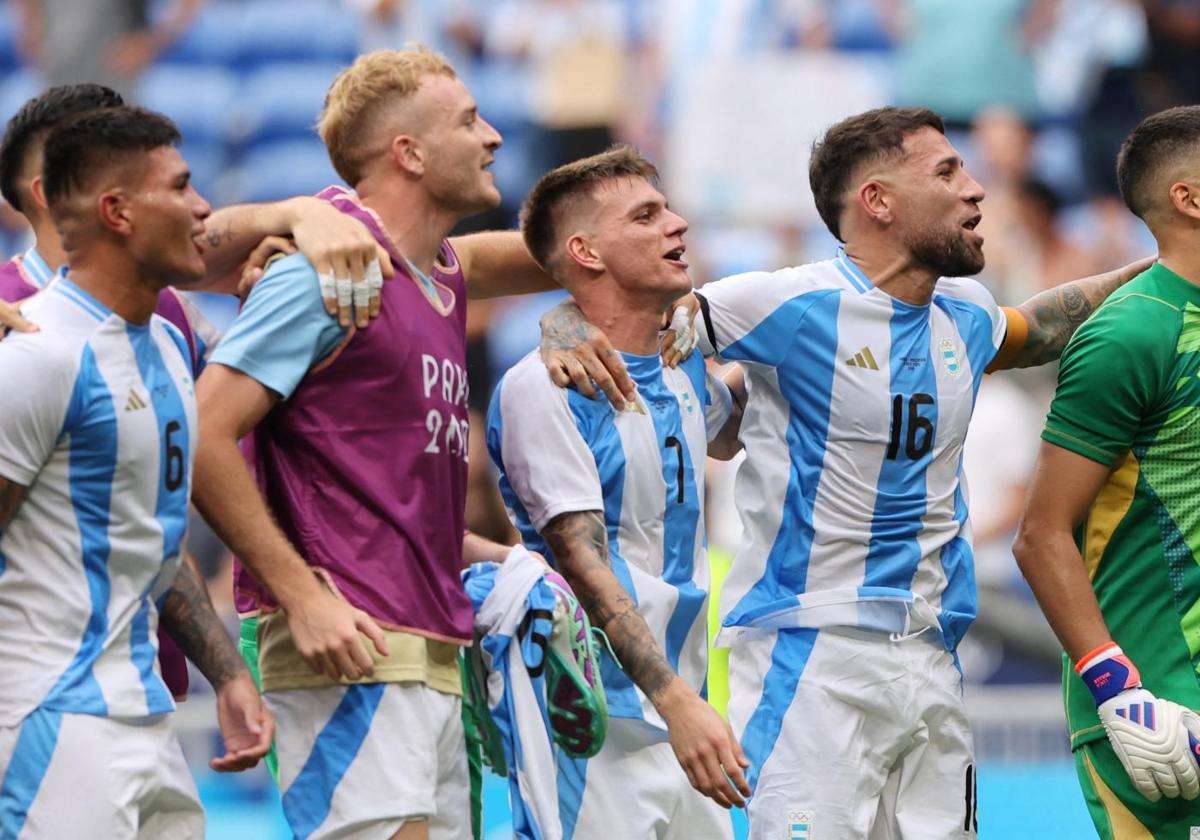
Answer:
(1129, 398)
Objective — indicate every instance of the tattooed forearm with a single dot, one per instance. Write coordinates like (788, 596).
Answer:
(217, 235)
(1055, 314)
(11, 495)
(187, 613)
(579, 543)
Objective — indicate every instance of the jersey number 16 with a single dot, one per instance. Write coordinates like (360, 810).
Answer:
(919, 438)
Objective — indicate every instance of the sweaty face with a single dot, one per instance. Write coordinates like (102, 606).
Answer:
(460, 146)
(168, 219)
(639, 239)
(937, 206)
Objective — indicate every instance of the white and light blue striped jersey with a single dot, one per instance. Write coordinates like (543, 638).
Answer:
(851, 494)
(560, 452)
(99, 423)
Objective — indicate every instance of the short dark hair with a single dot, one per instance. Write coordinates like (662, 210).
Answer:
(555, 189)
(853, 141)
(97, 139)
(36, 117)
(1157, 142)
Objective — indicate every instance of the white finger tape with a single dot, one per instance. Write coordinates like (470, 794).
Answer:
(685, 341)
(680, 321)
(685, 334)
(327, 285)
(362, 295)
(374, 276)
(345, 291)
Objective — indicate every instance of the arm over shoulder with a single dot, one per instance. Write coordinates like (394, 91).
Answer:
(283, 330)
(1114, 373)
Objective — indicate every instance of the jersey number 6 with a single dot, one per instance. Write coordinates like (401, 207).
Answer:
(173, 471)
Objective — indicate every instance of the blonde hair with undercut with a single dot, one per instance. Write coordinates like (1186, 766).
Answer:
(358, 99)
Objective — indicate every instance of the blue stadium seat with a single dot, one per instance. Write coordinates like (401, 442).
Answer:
(199, 98)
(10, 60)
(297, 30)
(280, 170)
(213, 38)
(502, 89)
(206, 162)
(282, 101)
(15, 89)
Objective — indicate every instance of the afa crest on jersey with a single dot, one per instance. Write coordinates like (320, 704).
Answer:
(949, 356)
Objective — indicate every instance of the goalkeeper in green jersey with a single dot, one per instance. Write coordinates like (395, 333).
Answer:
(1110, 541)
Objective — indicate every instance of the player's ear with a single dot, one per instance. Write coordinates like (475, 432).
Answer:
(583, 253)
(38, 191)
(1185, 197)
(112, 208)
(875, 201)
(407, 154)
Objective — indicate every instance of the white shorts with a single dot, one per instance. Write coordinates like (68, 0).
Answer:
(360, 761)
(852, 735)
(634, 789)
(68, 775)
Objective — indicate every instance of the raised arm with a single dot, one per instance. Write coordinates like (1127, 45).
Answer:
(703, 742)
(1051, 317)
(326, 629)
(246, 726)
(336, 244)
(497, 263)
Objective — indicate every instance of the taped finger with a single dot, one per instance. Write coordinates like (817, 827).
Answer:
(345, 297)
(374, 286)
(328, 287)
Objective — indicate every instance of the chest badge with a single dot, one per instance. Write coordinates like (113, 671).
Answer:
(949, 356)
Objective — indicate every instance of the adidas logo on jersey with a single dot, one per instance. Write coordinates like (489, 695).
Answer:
(134, 402)
(863, 359)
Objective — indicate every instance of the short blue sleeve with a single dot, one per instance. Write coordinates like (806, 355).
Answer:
(283, 329)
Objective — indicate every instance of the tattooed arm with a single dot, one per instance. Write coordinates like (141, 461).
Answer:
(702, 741)
(575, 351)
(333, 242)
(1053, 316)
(188, 615)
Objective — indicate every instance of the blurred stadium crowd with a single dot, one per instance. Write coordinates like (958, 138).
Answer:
(726, 96)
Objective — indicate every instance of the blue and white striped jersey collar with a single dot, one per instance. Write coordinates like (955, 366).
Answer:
(78, 296)
(37, 270)
(852, 272)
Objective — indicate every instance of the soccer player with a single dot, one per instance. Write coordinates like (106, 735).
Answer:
(337, 246)
(96, 443)
(360, 445)
(331, 241)
(618, 498)
(855, 584)
(1108, 540)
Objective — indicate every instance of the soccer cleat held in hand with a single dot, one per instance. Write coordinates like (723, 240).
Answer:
(1153, 738)
(575, 697)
